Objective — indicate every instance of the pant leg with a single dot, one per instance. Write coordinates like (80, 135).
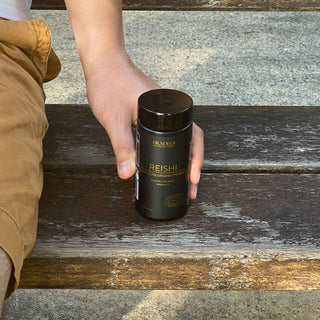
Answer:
(26, 61)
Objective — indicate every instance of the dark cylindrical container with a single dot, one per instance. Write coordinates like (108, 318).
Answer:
(163, 142)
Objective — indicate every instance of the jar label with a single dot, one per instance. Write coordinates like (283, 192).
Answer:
(162, 179)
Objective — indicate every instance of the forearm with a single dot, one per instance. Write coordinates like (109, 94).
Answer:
(97, 26)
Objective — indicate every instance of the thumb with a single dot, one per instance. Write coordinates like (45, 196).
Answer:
(123, 146)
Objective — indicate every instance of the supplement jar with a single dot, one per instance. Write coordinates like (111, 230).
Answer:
(163, 144)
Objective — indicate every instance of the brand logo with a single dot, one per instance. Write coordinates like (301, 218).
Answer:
(163, 167)
(174, 201)
(163, 144)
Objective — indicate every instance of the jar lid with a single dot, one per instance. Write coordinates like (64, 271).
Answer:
(165, 109)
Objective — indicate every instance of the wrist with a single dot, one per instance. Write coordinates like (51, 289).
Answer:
(105, 61)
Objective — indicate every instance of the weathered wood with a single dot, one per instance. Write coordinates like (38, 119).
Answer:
(245, 231)
(302, 5)
(237, 139)
(214, 273)
(89, 210)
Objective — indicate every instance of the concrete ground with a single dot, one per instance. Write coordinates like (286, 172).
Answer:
(221, 58)
(236, 58)
(161, 305)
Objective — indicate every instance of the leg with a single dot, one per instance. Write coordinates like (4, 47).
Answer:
(5, 272)
(25, 51)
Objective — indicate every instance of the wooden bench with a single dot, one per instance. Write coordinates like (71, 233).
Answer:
(254, 226)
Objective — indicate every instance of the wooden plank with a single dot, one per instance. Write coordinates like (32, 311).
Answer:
(261, 139)
(75, 138)
(91, 210)
(271, 5)
(237, 139)
(213, 273)
(245, 231)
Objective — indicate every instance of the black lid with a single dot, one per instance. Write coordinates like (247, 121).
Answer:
(165, 109)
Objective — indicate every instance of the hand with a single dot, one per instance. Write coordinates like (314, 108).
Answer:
(113, 88)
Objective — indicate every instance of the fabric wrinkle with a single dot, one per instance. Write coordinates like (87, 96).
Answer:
(27, 61)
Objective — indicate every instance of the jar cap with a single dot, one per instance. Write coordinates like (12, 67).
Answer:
(165, 109)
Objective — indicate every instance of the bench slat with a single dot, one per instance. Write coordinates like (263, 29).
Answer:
(267, 210)
(237, 139)
(215, 272)
(250, 230)
(302, 5)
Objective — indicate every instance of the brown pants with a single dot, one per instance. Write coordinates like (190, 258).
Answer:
(26, 61)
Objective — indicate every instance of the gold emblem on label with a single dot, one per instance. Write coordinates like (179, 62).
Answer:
(174, 200)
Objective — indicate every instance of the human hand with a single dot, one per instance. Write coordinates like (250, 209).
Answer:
(113, 88)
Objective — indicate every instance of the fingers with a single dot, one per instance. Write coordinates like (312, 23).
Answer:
(122, 141)
(197, 154)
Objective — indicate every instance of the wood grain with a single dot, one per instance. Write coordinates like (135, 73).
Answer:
(272, 5)
(237, 139)
(213, 273)
(244, 232)
(86, 211)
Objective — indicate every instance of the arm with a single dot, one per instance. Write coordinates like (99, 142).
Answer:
(113, 82)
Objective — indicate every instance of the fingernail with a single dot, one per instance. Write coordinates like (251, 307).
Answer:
(124, 169)
(193, 191)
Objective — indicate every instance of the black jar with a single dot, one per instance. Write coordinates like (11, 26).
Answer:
(163, 143)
